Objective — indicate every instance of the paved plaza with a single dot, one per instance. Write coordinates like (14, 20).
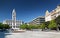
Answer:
(31, 34)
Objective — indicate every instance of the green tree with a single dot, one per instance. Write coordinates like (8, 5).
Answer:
(52, 24)
(1, 26)
(23, 26)
(6, 26)
(58, 21)
(28, 27)
(32, 26)
(42, 26)
(38, 26)
(46, 24)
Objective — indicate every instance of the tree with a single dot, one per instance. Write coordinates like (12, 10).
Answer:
(23, 26)
(52, 24)
(46, 24)
(58, 20)
(39, 26)
(1, 26)
(6, 26)
(42, 26)
(30, 27)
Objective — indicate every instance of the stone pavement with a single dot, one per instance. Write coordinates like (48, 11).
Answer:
(32, 34)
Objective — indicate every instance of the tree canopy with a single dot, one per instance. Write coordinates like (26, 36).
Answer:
(52, 24)
(4, 26)
(58, 20)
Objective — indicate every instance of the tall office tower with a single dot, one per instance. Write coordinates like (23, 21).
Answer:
(13, 18)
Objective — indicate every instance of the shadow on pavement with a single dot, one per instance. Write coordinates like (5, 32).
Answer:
(3, 34)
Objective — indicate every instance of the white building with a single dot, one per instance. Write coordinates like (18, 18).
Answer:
(38, 20)
(53, 14)
(13, 23)
(9, 22)
(48, 16)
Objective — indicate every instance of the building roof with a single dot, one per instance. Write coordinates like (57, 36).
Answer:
(56, 10)
(47, 13)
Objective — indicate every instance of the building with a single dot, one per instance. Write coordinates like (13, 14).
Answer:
(13, 22)
(38, 20)
(9, 22)
(47, 16)
(53, 14)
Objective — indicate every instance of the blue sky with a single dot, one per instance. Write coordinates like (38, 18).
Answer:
(26, 10)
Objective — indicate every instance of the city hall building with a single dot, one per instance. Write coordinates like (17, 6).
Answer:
(15, 24)
(53, 14)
